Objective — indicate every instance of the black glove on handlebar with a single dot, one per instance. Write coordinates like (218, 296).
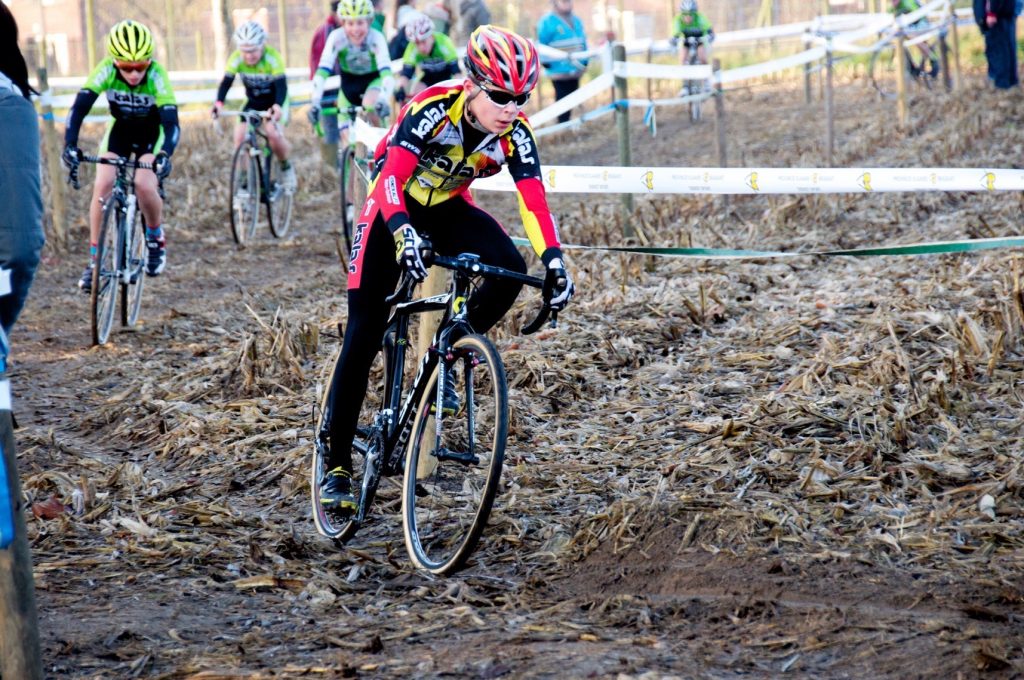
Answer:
(162, 165)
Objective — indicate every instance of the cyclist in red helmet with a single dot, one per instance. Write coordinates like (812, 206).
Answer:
(444, 138)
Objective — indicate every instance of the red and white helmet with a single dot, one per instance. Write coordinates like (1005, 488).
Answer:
(499, 59)
(420, 27)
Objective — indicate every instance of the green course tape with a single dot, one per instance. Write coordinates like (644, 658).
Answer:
(934, 248)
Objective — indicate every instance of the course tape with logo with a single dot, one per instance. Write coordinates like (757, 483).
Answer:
(640, 180)
(933, 248)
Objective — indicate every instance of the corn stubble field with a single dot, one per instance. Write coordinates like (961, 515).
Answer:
(715, 469)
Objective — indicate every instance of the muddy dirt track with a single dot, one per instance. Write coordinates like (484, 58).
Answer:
(715, 469)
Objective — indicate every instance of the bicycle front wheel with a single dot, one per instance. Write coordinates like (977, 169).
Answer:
(106, 271)
(245, 194)
(279, 202)
(454, 460)
(135, 263)
(347, 178)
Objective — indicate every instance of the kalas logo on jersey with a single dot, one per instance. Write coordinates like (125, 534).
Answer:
(524, 145)
(431, 117)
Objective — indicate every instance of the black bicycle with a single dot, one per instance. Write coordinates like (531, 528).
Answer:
(923, 70)
(121, 251)
(451, 454)
(254, 180)
(694, 88)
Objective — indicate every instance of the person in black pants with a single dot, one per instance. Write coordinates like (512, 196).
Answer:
(997, 20)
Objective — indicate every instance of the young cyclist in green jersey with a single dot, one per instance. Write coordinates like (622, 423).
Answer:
(266, 89)
(901, 7)
(690, 23)
(144, 122)
(361, 55)
(432, 52)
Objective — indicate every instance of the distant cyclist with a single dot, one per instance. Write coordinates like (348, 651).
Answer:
(361, 54)
(144, 122)
(900, 7)
(266, 89)
(691, 23)
(431, 52)
(444, 138)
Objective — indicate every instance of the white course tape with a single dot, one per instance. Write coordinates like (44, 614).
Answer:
(734, 75)
(595, 87)
(640, 180)
(632, 69)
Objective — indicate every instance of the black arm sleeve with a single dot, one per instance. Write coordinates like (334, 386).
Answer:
(408, 71)
(453, 69)
(83, 103)
(225, 85)
(172, 131)
(280, 90)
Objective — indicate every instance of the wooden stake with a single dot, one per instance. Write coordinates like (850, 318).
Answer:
(282, 26)
(19, 629)
(622, 121)
(957, 79)
(58, 189)
(830, 112)
(901, 84)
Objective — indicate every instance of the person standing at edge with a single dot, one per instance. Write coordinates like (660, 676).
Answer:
(997, 20)
(329, 121)
(21, 241)
(563, 30)
(21, 202)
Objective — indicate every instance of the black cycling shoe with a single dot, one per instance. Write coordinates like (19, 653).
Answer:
(336, 491)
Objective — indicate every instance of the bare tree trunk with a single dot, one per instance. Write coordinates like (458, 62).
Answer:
(222, 29)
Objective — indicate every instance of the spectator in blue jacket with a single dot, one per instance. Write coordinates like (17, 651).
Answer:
(563, 30)
(21, 199)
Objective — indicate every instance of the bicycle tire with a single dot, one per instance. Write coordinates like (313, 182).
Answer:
(279, 204)
(884, 76)
(244, 198)
(339, 528)
(135, 263)
(346, 179)
(447, 498)
(103, 298)
(695, 106)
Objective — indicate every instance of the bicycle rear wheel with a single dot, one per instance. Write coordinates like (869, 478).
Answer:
(884, 69)
(454, 461)
(245, 194)
(368, 449)
(135, 262)
(696, 88)
(105, 272)
(279, 202)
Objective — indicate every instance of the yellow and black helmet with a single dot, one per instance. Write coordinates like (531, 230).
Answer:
(130, 41)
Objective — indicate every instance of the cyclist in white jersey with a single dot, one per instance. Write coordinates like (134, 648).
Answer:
(361, 54)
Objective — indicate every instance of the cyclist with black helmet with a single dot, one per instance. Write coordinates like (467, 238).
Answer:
(266, 89)
(144, 122)
(361, 54)
(431, 52)
(443, 139)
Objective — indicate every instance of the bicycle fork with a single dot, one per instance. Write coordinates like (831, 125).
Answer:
(125, 266)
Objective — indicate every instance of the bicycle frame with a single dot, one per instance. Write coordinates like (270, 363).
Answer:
(391, 425)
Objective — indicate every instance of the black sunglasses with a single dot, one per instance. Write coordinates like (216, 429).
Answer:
(503, 98)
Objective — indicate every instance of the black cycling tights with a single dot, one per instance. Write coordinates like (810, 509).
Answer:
(454, 227)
